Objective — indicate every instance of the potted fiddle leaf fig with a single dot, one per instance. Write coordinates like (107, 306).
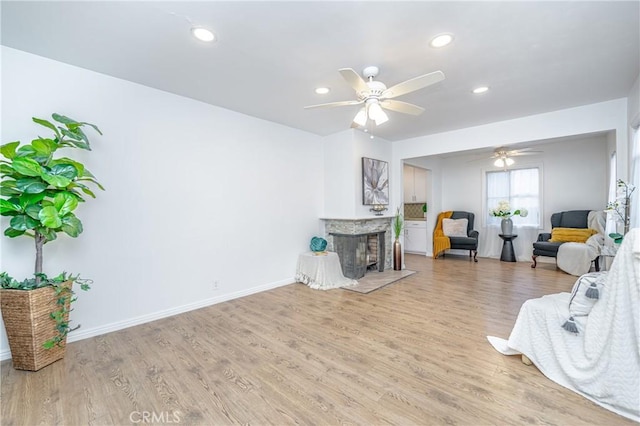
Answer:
(39, 193)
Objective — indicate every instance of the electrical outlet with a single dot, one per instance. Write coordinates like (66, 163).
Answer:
(216, 285)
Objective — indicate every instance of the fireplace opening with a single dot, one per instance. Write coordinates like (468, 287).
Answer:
(359, 253)
(372, 251)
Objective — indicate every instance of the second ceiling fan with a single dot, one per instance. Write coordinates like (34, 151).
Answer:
(375, 96)
(503, 155)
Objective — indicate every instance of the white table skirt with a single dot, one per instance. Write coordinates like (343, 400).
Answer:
(321, 271)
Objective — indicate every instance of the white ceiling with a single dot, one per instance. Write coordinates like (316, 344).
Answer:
(536, 56)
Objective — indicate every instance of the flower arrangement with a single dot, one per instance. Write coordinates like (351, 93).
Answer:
(503, 211)
(620, 207)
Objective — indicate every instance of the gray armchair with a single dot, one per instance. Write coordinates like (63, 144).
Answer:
(470, 242)
(566, 219)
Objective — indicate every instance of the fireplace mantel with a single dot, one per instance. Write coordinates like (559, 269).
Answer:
(359, 218)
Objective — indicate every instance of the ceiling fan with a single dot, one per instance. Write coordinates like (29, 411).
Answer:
(503, 155)
(375, 96)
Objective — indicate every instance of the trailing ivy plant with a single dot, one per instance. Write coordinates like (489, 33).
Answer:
(40, 191)
(64, 298)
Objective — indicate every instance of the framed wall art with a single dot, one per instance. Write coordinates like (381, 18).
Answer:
(375, 182)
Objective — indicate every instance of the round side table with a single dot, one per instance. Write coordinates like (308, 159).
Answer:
(508, 254)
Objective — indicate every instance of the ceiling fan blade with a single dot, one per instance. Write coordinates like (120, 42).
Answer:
(519, 151)
(517, 154)
(412, 85)
(479, 159)
(354, 79)
(403, 107)
(334, 104)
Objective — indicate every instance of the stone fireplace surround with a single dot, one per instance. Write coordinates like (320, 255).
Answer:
(361, 225)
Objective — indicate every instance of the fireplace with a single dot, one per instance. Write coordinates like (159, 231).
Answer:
(359, 252)
(361, 244)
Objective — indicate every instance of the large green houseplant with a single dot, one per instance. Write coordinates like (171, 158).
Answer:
(39, 192)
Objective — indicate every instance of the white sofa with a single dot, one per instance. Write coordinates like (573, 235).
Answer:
(589, 345)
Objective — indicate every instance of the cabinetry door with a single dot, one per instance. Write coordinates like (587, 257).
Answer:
(420, 185)
(415, 184)
(408, 184)
(415, 237)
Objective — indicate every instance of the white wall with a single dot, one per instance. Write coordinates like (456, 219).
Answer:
(343, 173)
(339, 185)
(633, 104)
(633, 120)
(194, 194)
(633, 170)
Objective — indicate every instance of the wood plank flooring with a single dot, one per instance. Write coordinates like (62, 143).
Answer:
(412, 353)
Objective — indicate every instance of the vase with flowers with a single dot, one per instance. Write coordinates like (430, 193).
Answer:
(620, 208)
(503, 211)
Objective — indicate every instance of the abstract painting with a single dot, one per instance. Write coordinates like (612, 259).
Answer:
(375, 182)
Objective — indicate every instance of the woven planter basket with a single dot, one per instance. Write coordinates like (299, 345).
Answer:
(27, 320)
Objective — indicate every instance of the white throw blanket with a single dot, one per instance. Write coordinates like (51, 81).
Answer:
(321, 271)
(602, 360)
(576, 258)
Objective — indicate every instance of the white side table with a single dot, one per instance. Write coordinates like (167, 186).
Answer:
(321, 271)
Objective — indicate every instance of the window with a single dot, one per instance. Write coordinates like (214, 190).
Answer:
(635, 178)
(521, 188)
(610, 225)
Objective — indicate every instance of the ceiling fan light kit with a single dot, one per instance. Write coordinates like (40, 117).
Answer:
(375, 112)
(503, 162)
(376, 96)
(503, 156)
(361, 117)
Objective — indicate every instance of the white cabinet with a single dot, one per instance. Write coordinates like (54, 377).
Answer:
(408, 185)
(415, 236)
(420, 184)
(415, 184)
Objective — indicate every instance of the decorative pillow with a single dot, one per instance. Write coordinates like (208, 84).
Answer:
(455, 227)
(586, 292)
(571, 235)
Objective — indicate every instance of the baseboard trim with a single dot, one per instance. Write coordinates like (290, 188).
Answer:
(82, 334)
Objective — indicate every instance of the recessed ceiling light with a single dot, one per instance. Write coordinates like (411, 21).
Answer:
(441, 40)
(481, 89)
(322, 90)
(203, 34)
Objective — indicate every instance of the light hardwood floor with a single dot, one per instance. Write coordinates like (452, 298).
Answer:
(414, 352)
